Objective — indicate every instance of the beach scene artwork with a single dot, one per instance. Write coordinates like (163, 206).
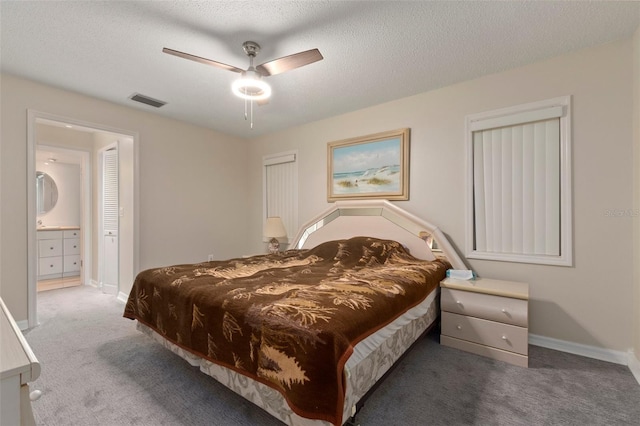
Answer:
(368, 168)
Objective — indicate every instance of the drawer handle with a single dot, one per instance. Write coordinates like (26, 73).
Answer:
(506, 312)
(459, 327)
(75, 246)
(504, 337)
(35, 395)
(458, 303)
(51, 266)
(50, 248)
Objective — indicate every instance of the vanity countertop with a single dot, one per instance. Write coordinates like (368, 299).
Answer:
(58, 228)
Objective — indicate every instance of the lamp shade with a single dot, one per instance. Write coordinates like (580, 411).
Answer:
(274, 228)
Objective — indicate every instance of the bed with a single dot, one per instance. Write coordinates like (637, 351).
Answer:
(306, 333)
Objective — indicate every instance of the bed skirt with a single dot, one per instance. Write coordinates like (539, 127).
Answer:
(371, 359)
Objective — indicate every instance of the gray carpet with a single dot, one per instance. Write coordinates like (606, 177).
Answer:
(98, 370)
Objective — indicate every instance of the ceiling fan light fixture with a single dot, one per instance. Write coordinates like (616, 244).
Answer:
(250, 86)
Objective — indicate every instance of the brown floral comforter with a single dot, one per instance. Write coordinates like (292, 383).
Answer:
(288, 320)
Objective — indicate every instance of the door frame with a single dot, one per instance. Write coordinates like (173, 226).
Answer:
(132, 261)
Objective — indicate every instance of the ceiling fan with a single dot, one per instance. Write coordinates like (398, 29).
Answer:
(250, 86)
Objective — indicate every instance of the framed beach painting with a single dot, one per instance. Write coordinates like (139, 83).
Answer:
(372, 166)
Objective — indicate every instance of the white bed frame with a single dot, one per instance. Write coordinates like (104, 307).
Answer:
(379, 219)
(346, 219)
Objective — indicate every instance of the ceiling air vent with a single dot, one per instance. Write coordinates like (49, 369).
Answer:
(147, 100)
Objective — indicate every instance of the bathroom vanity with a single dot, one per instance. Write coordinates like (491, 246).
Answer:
(58, 252)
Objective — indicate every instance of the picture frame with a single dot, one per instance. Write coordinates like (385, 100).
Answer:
(374, 166)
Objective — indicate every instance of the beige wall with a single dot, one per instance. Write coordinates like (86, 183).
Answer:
(636, 192)
(589, 303)
(192, 183)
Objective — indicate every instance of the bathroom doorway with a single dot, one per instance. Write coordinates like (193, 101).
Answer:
(63, 184)
(72, 227)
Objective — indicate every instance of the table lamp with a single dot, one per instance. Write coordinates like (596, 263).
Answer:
(274, 229)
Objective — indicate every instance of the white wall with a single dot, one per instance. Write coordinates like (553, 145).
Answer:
(589, 303)
(192, 183)
(63, 137)
(66, 211)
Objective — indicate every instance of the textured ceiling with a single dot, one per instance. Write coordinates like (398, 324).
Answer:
(374, 51)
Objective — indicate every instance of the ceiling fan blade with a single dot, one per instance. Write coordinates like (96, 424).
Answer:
(290, 62)
(201, 60)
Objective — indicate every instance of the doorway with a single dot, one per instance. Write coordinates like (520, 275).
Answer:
(63, 211)
(73, 137)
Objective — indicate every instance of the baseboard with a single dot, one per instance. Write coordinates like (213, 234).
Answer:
(23, 325)
(122, 297)
(634, 365)
(609, 355)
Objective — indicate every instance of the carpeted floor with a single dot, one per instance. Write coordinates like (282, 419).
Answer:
(98, 370)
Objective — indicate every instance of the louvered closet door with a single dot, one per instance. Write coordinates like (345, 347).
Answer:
(110, 222)
(110, 191)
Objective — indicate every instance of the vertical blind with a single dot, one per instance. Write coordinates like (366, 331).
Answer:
(110, 190)
(281, 183)
(516, 188)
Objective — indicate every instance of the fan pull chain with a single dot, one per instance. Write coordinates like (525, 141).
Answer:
(250, 114)
(245, 105)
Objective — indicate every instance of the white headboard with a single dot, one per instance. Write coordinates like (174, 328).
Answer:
(379, 219)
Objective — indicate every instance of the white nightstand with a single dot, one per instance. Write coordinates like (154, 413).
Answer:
(486, 317)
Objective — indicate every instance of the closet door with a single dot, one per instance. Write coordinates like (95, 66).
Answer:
(110, 222)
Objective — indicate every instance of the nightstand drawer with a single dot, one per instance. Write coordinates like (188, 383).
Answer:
(490, 333)
(495, 308)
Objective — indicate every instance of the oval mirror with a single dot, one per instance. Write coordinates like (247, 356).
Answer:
(46, 193)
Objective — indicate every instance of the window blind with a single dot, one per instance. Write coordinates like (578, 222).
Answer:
(281, 190)
(516, 188)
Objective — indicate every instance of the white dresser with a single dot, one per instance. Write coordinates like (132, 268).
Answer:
(486, 317)
(18, 367)
(58, 252)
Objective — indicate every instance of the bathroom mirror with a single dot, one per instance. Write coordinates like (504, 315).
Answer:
(46, 193)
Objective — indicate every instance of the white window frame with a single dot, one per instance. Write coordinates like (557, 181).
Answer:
(559, 107)
(270, 160)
